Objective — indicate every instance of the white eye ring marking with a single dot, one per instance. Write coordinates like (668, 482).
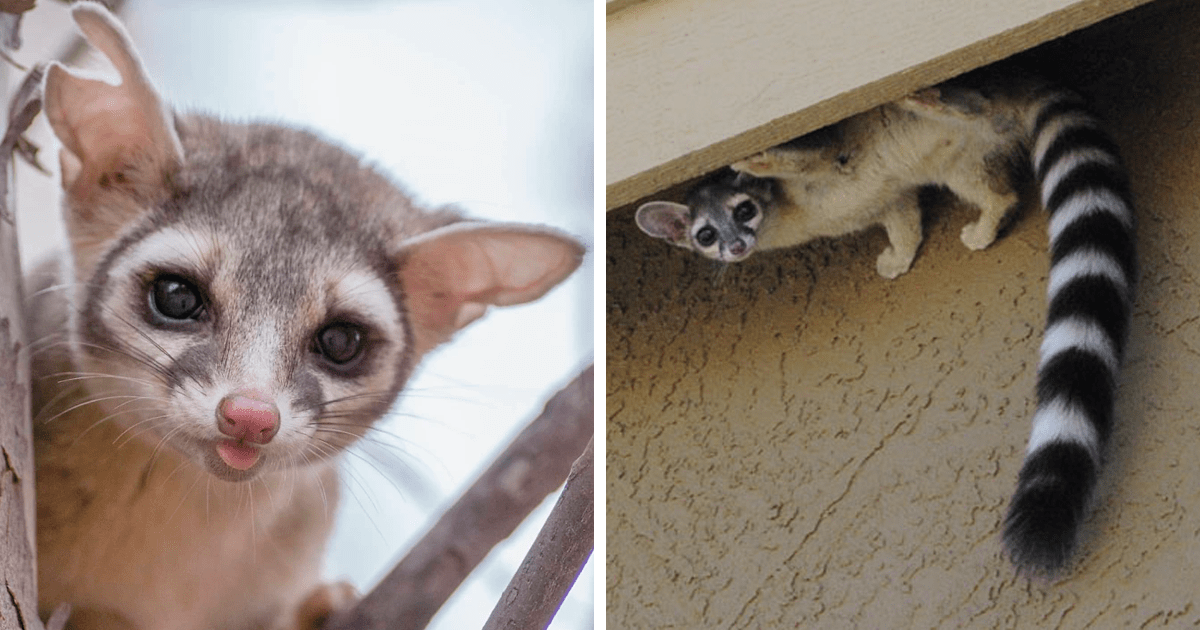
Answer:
(169, 247)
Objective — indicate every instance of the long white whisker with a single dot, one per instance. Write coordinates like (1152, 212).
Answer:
(253, 526)
(199, 475)
(134, 426)
(349, 476)
(368, 462)
(83, 376)
(157, 447)
(86, 402)
(106, 419)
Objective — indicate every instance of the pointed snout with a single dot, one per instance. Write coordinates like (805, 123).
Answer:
(249, 416)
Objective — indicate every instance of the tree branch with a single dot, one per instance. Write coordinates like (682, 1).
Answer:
(533, 465)
(18, 552)
(553, 564)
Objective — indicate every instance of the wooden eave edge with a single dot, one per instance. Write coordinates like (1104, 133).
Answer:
(1000, 45)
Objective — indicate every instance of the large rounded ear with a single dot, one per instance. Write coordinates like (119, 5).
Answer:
(453, 274)
(117, 138)
(666, 220)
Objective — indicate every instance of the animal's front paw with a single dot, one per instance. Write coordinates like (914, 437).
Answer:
(930, 97)
(323, 601)
(891, 263)
(945, 102)
(978, 235)
(759, 165)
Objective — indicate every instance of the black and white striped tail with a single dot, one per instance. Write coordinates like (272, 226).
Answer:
(1085, 190)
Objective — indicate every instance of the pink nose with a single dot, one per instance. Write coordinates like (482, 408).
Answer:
(249, 416)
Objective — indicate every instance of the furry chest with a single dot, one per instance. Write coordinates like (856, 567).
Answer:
(186, 550)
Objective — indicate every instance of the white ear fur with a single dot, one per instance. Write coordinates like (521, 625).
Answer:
(666, 220)
(109, 128)
(453, 274)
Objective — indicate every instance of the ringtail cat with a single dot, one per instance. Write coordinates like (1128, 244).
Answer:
(238, 305)
(975, 136)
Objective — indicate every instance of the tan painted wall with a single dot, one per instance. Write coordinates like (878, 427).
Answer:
(796, 442)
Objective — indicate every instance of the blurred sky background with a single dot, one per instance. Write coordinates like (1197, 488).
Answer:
(487, 104)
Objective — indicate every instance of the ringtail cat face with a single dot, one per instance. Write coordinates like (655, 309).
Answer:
(251, 295)
(721, 220)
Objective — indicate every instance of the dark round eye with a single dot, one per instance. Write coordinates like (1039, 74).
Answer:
(706, 236)
(176, 298)
(340, 343)
(744, 211)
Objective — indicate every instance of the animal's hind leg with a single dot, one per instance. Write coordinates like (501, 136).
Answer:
(994, 195)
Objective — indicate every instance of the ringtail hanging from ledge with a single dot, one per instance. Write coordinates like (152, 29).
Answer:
(240, 302)
(977, 136)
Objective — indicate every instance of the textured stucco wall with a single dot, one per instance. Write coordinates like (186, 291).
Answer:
(797, 442)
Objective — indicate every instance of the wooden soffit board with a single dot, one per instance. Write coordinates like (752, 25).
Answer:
(693, 85)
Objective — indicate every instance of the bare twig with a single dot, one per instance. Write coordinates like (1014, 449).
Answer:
(553, 563)
(16, 6)
(532, 466)
(18, 607)
(10, 28)
(25, 105)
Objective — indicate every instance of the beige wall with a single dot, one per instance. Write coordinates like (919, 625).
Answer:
(796, 442)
